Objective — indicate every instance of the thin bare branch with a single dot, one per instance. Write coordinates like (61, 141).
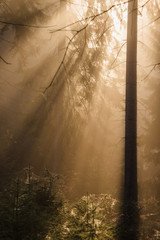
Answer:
(155, 64)
(118, 65)
(145, 3)
(152, 69)
(92, 17)
(25, 25)
(118, 54)
(4, 60)
(64, 56)
(154, 20)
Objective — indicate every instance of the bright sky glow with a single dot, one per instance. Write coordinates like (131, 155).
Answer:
(119, 16)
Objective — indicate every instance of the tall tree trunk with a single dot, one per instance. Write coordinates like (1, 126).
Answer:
(129, 225)
(130, 187)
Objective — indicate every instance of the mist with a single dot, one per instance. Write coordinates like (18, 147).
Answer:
(62, 101)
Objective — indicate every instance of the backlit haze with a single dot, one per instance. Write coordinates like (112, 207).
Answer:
(62, 101)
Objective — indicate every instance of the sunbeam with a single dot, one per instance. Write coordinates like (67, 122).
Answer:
(68, 103)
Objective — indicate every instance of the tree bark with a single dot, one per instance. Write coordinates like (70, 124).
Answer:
(130, 182)
(130, 218)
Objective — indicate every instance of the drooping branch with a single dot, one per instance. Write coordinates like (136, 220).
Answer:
(91, 19)
(64, 57)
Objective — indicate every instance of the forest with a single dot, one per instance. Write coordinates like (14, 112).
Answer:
(79, 120)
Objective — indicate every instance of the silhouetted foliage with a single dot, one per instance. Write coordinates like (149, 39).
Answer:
(62, 79)
(31, 208)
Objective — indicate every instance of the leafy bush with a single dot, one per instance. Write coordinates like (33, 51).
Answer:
(92, 217)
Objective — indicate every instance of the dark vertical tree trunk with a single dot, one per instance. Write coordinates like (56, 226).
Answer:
(129, 226)
(130, 188)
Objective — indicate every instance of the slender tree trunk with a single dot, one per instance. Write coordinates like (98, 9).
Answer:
(130, 188)
(130, 219)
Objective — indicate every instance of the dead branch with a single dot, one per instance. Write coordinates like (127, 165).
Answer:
(118, 54)
(152, 69)
(26, 25)
(91, 18)
(4, 60)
